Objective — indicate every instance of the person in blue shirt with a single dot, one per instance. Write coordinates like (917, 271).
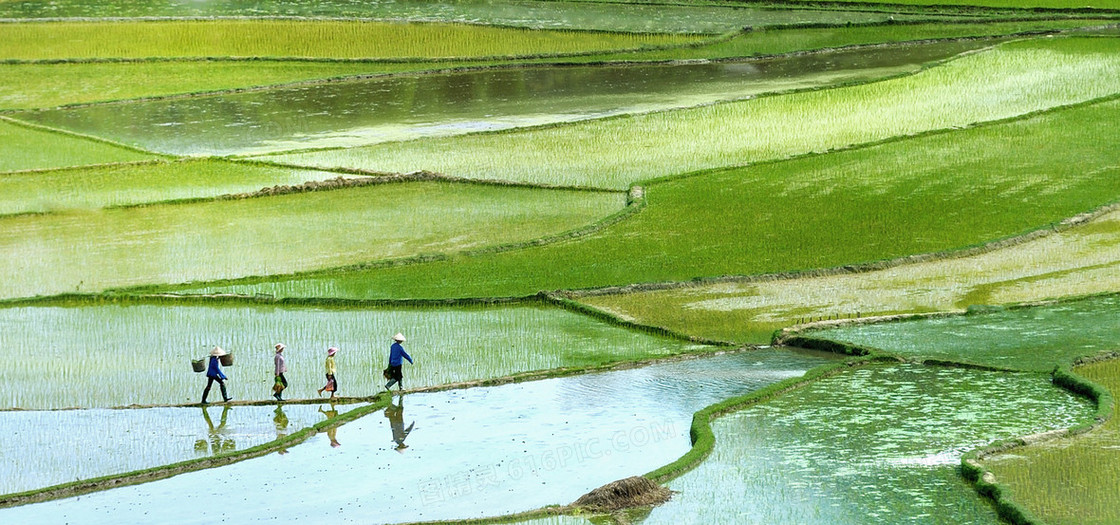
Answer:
(396, 356)
(214, 373)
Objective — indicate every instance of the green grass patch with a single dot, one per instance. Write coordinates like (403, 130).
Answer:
(30, 86)
(31, 148)
(1079, 261)
(132, 184)
(1010, 80)
(931, 193)
(1026, 338)
(777, 41)
(93, 250)
(292, 38)
(93, 345)
(879, 444)
(1070, 480)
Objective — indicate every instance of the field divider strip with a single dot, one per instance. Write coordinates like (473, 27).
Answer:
(985, 482)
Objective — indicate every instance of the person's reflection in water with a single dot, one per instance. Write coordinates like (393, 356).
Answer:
(218, 441)
(280, 419)
(395, 413)
(333, 430)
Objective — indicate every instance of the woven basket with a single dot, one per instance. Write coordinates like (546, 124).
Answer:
(198, 365)
(226, 360)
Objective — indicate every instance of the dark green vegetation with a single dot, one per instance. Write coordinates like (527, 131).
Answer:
(937, 192)
(903, 150)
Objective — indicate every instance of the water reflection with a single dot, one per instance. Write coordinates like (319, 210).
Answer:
(375, 110)
(218, 439)
(280, 420)
(395, 413)
(332, 432)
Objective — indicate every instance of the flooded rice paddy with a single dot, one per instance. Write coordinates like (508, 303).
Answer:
(44, 448)
(121, 354)
(455, 454)
(1036, 338)
(384, 109)
(877, 445)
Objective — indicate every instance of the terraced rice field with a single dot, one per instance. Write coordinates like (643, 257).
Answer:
(1070, 480)
(570, 209)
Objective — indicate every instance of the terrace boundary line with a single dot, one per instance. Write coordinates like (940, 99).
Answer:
(983, 480)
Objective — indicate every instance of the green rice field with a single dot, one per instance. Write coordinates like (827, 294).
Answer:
(790, 223)
(867, 446)
(25, 148)
(301, 39)
(1027, 338)
(1068, 480)
(594, 222)
(115, 185)
(1081, 260)
(617, 152)
(55, 253)
(449, 344)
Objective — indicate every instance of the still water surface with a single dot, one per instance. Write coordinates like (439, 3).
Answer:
(382, 109)
(452, 455)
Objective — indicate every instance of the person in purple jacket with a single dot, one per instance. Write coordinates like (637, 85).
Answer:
(396, 354)
(214, 373)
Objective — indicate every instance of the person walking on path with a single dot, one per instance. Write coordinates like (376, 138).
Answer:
(332, 383)
(214, 373)
(281, 367)
(396, 357)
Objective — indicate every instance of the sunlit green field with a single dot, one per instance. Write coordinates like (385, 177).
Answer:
(132, 184)
(1082, 260)
(1070, 480)
(288, 38)
(941, 173)
(614, 153)
(90, 250)
(449, 345)
(927, 194)
(26, 148)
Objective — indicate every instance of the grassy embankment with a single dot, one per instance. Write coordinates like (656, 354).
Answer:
(1071, 480)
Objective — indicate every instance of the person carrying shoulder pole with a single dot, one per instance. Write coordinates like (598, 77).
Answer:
(214, 373)
(396, 356)
(281, 367)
